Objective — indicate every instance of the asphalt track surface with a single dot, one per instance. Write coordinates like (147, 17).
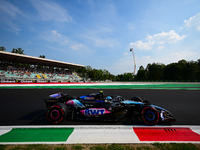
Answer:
(27, 106)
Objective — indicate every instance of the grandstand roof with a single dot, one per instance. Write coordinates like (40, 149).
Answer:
(19, 58)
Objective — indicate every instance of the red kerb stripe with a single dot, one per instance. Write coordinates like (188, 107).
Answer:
(166, 134)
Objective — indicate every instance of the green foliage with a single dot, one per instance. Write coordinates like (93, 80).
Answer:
(98, 147)
(181, 71)
(2, 147)
(142, 74)
(18, 51)
(77, 147)
(42, 56)
(175, 146)
(157, 146)
(125, 77)
(115, 147)
(2, 48)
(95, 74)
(60, 148)
(38, 147)
(143, 148)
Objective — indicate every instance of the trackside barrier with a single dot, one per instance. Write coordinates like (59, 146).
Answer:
(97, 134)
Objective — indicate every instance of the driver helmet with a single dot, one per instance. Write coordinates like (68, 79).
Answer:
(101, 94)
(108, 98)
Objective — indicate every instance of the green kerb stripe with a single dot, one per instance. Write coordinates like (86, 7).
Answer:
(37, 135)
(148, 86)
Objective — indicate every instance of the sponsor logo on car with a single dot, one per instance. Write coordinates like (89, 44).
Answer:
(95, 111)
(55, 95)
(88, 98)
(89, 105)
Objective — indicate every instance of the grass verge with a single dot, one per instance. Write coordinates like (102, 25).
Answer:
(154, 146)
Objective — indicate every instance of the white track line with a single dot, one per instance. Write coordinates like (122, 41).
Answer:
(103, 135)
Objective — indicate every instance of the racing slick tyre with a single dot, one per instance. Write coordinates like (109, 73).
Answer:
(149, 115)
(57, 113)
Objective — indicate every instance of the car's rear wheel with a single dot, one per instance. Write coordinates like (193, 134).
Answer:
(149, 115)
(57, 113)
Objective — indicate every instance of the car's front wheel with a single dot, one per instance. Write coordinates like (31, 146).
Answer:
(149, 115)
(57, 113)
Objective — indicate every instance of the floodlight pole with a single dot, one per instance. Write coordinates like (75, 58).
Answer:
(131, 50)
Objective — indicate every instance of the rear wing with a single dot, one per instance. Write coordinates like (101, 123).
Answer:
(55, 98)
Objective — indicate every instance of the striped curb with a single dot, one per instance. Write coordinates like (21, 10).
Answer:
(97, 134)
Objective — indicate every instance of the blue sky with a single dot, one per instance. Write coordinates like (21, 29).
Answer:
(100, 33)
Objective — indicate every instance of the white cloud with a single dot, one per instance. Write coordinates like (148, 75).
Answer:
(8, 14)
(79, 47)
(51, 11)
(193, 22)
(54, 36)
(142, 45)
(100, 41)
(125, 53)
(100, 36)
(161, 47)
(54, 32)
(63, 41)
(8, 9)
(158, 40)
(165, 37)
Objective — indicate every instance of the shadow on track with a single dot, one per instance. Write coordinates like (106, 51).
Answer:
(38, 117)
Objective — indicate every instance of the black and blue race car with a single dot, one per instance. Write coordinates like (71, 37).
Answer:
(96, 106)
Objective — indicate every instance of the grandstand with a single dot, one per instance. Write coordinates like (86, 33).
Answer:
(33, 69)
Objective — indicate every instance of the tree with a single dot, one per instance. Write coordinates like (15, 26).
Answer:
(142, 74)
(124, 77)
(191, 70)
(18, 51)
(198, 74)
(128, 76)
(41, 56)
(155, 71)
(105, 75)
(94, 74)
(2, 48)
(182, 70)
(182, 65)
(172, 72)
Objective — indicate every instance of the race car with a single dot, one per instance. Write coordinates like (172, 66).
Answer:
(96, 106)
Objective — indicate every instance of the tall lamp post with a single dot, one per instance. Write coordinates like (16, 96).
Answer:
(131, 50)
